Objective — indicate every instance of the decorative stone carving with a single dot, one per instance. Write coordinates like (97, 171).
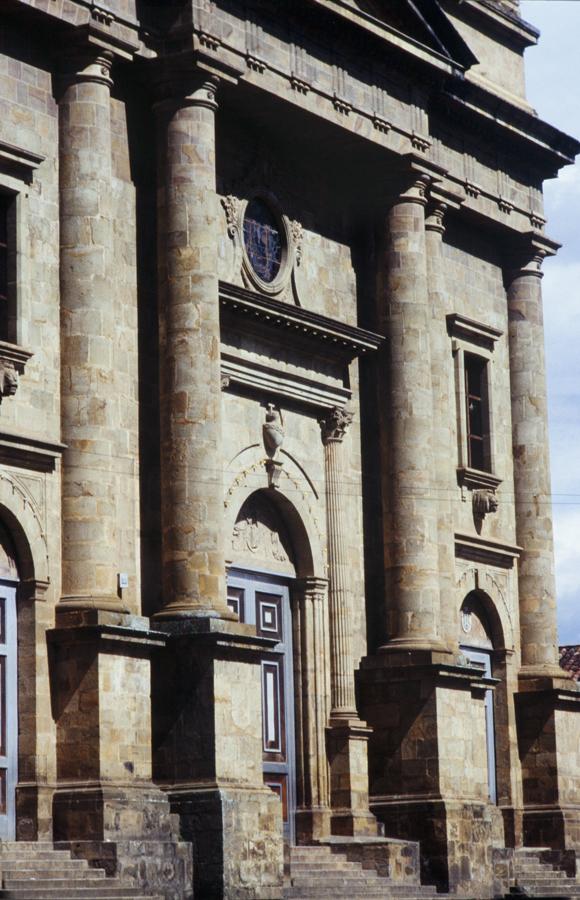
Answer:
(231, 206)
(260, 534)
(273, 430)
(335, 425)
(483, 502)
(297, 233)
(12, 362)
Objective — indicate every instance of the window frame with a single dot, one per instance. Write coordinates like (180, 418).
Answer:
(474, 340)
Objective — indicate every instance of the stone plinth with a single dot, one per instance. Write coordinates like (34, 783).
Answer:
(428, 763)
(349, 778)
(548, 725)
(102, 707)
(208, 756)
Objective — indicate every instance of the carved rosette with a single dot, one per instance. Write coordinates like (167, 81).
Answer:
(336, 424)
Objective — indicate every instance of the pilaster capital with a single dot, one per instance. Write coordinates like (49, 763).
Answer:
(526, 255)
(334, 426)
(86, 63)
(311, 585)
(435, 216)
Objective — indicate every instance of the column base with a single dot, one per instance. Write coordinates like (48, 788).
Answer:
(107, 602)
(312, 825)
(455, 839)
(236, 833)
(181, 610)
(101, 812)
(548, 730)
(347, 744)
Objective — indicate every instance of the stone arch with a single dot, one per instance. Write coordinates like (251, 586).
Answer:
(23, 524)
(485, 629)
(493, 601)
(295, 512)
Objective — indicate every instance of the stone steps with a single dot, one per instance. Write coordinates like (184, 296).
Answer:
(39, 872)
(539, 879)
(319, 872)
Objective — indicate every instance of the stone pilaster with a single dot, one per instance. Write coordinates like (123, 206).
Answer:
(347, 735)
(191, 426)
(533, 507)
(92, 466)
(311, 701)
(411, 557)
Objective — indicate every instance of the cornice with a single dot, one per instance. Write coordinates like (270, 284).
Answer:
(488, 552)
(509, 25)
(333, 338)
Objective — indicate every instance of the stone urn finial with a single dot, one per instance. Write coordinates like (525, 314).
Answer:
(272, 430)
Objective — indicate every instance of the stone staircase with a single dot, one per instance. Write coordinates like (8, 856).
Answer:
(36, 871)
(322, 872)
(536, 877)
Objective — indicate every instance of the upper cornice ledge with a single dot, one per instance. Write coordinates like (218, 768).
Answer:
(338, 337)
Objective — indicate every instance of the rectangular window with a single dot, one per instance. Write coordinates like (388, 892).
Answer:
(7, 268)
(477, 412)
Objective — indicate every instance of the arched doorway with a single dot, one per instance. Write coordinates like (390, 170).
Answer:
(261, 582)
(477, 646)
(8, 687)
(259, 591)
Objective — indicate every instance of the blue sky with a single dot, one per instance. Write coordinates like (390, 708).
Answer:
(553, 79)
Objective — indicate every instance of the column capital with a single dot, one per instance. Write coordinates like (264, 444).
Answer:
(86, 63)
(435, 216)
(177, 89)
(336, 424)
(311, 585)
(526, 254)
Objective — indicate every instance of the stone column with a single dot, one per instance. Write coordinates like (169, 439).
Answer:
(191, 427)
(533, 508)
(90, 413)
(347, 735)
(312, 693)
(342, 699)
(444, 468)
(411, 558)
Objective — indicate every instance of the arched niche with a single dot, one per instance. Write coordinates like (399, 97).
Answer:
(480, 623)
(297, 541)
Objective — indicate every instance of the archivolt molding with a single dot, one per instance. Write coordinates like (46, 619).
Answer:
(470, 579)
(295, 489)
(24, 521)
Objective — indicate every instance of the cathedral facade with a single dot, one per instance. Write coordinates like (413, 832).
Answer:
(277, 575)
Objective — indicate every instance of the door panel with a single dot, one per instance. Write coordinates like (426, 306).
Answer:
(264, 601)
(481, 656)
(8, 712)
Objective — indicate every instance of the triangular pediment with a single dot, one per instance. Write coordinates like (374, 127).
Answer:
(422, 21)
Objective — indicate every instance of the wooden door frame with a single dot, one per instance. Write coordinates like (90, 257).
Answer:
(9, 714)
(257, 579)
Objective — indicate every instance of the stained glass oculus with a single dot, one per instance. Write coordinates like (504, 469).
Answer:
(263, 240)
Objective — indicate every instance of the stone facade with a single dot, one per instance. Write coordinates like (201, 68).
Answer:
(277, 561)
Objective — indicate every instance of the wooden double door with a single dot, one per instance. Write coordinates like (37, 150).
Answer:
(264, 601)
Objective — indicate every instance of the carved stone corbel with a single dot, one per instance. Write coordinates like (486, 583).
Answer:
(12, 362)
(483, 502)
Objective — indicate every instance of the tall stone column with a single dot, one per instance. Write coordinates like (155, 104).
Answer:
(411, 557)
(191, 433)
(533, 508)
(444, 469)
(342, 699)
(90, 413)
(347, 735)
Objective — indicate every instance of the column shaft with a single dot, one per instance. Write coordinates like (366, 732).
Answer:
(533, 508)
(444, 470)
(191, 438)
(406, 403)
(342, 697)
(92, 465)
